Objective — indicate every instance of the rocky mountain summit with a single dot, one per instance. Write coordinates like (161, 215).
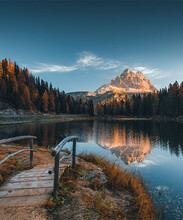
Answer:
(127, 83)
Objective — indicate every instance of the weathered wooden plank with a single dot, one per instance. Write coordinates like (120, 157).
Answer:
(28, 179)
(74, 153)
(24, 185)
(13, 154)
(24, 201)
(56, 153)
(31, 152)
(30, 187)
(8, 140)
(62, 143)
(25, 192)
(56, 173)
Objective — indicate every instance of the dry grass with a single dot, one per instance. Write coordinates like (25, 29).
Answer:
(141, 205)
(103, 206)
(67, 185)
(11, 166)
(97, 189)
(86, 197)
(21, 161)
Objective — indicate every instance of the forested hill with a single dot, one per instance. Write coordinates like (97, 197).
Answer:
(27, 92)
(166, 102)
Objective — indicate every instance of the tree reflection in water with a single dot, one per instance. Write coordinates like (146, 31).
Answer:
(129, 140)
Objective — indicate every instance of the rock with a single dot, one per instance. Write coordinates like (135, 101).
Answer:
(8, 112)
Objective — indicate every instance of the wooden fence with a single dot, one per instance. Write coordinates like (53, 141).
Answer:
(9, 140)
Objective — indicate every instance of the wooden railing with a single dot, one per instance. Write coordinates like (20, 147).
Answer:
(8, 140)
(56, 153)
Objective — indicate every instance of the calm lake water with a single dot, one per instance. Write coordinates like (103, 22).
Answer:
(153, 149)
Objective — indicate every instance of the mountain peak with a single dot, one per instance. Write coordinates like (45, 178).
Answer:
(128, 82)
(127, 72)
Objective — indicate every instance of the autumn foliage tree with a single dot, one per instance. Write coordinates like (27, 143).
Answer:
(51, 100)
(44, 101)
(25, 91)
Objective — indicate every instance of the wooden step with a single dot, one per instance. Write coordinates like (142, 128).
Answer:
(30, 187)
(25, 192)
(24, 200)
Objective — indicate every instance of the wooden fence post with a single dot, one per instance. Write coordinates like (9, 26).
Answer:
(31, 152)
(56, 174)
(74, 153)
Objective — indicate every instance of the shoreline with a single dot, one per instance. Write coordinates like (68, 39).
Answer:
(32, 118)
(104, 191)
(114, 193)
(37, 117)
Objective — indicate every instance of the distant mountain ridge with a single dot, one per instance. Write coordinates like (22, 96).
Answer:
(127, 83)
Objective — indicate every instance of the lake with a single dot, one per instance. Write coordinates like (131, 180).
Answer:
(152, 149)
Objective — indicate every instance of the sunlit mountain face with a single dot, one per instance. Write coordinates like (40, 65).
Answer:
(127, 83)
(127, 145)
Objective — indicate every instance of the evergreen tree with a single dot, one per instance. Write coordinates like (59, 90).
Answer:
(1, 70)
(155, 103)
(51, 101)
(4, 66)
(91, 108)
(67, 108)
(105, 109)
(45, 101)
(180, 93)
(25, 91)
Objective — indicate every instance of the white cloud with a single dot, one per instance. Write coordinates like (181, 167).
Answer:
(85, 61)
(146, 70)
(42, 67)
(145, 163)
(161, 76)
(150, 72)
(88, 59)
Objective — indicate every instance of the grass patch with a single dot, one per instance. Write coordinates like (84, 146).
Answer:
(11, 166)
(119, 180)
(67, 185)
(97, 189)
(97, 205)
(103, 207)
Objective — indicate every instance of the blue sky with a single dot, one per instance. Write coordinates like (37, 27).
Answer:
(81, 45)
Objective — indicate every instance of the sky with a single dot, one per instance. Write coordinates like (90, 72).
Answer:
(81, 45)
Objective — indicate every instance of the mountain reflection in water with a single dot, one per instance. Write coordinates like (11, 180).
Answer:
(129, 140)
(153, 148)
(133, 140)
(127, 146)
